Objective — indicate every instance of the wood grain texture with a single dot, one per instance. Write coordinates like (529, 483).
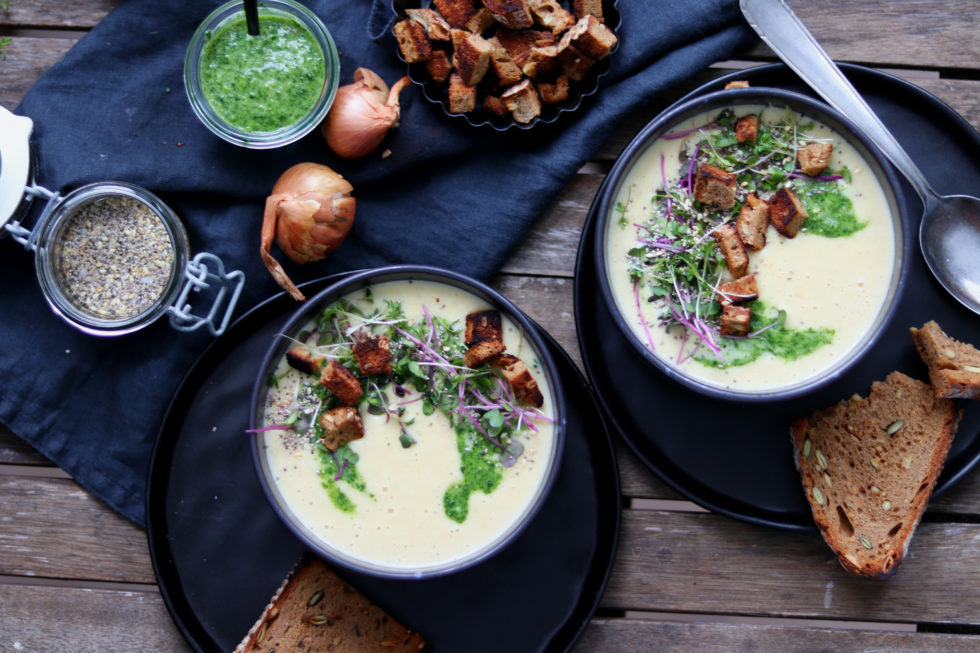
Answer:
(52, 528)
(931, 34)
(25, 14)
(665, 636)
(705, 562)
(50, 618)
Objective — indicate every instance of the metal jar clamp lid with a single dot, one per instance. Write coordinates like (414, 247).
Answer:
(204, 273)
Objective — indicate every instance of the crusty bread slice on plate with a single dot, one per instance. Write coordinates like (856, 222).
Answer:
(315, 610)
(954, 366)
(868, 467)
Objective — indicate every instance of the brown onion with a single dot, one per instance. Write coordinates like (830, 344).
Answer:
(310, 212)
(361, 115)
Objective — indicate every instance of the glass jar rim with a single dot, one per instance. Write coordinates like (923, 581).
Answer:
(286, 134)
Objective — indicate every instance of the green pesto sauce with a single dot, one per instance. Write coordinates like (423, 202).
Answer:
(481, 473)
(789, 344)
(266, 82)
(830, 212)
(350, 475)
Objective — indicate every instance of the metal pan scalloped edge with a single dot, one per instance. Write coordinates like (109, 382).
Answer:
(578, 91)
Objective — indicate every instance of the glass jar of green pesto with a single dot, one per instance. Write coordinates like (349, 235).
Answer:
(267, 90)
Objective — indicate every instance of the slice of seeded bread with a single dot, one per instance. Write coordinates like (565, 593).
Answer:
(954, 366)
(868, 467)
(315, 610)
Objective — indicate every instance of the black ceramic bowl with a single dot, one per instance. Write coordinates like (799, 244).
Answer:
(676, 121)
(438, 92)
(549, 458)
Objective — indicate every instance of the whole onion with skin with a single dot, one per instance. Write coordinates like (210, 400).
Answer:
(310, 212)
(361, 114)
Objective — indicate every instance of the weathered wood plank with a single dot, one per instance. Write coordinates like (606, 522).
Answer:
(673, 637)
(26, 60)
(66, 618)
(83, 14)
(924, 33)
(13, 450)
(701, 562)
(53, 528)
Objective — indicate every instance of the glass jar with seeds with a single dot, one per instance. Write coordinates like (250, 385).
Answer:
(111, 257)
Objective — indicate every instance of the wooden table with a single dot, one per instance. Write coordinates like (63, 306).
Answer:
(76, 576)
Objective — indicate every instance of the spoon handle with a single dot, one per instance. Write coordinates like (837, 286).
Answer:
(782, 31)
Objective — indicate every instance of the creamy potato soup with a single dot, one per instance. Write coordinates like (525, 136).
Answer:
(703, 196)
(453, 451)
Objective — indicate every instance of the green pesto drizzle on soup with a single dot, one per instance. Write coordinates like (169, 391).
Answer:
(427, 360)
(675, 263)
(265, 82)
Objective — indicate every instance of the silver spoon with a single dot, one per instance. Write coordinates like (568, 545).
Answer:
(949, 234)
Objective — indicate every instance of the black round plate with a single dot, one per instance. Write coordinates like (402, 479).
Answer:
(219, 551)
(736, 459)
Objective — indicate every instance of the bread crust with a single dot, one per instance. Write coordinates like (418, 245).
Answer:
(315, 610)
(868, 467)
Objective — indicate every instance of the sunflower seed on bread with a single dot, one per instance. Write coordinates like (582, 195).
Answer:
(868, 467)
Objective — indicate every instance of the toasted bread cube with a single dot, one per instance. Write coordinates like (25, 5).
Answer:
(552, 15)
(742, 289)
(508, 73)
(520, 379)
(338, 379)
(483, 352)
(483, 326)
(462, 98)
(737, 83)
(493, 105)
(732, 249)
(436, 27)
(341, 425)
(786, 212)
(300, 358)
(814, 157)
(543, 60)
(575, 64)
(456, 12)
(746, 128)
(514, 14)
(582, 8)
(591, 36)
(554, 93)
(481, 21)
(471, 56)
(752, 222)
(373, 355)
(522, 101)
(518, 42)
(412, 40)
(712, 185)
(735, 320)
(438, 67)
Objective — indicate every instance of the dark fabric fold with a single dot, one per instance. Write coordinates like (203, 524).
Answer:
(114, 109)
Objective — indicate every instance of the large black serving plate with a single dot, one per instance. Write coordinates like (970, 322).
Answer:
(736, 458)
(219, 551)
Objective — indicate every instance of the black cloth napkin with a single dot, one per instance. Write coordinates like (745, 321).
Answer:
(449, 195)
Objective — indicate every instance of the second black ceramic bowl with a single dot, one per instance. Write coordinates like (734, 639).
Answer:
(676, 122)
(534, 353)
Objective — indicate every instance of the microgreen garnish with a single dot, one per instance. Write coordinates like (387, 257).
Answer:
(675, 264)
(428, 368)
